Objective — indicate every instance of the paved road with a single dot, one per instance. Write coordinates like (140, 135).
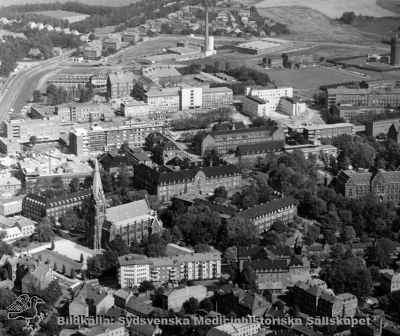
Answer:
(20, 87)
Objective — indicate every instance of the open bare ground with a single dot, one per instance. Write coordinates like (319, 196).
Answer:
(306, 23)
(333, 8)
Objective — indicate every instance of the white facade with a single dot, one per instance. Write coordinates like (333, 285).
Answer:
(11, 206)
(134, 270)
(254, 106)
(163, 100)
(191, 98)
(12, 234)
(292, 107)
(134, 109)
(133, 275)
(270, 94)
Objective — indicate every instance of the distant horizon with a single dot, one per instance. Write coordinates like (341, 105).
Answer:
(114, 3)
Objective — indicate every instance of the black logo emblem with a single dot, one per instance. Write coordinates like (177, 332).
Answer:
(25, 308)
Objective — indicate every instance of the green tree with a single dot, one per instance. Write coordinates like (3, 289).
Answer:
(69, 220)
(146, 286)
(202, 248)
(247, 278)
(94, 267)
(81, 258)
(72, 274)
(74, 186)
(379, 254)
(33, 140)
(37, 96)
(3, 274)
(51, 293)
(207, 305)
(191, 306)
(239, 232)
(348, 234)
(220, 194)
(52, 246)
(118, 246)
(44, 231)
(51, 327)
(63, 270)
(7, 297)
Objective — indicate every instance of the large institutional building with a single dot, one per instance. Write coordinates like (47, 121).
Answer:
(97, 140)
(377, 127)
(134, 269)
(187, 98)
(36, 206)
(80, 113)
(363, 97)
(120, 84)
(44, 130)
(265, 100)
(226, 141)
(384, 184)
(167, 182)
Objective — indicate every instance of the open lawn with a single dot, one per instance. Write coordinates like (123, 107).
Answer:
(60, 14)
(308, 24)
(379, 26)
(333, 8)
(391, 5)
(312, 78)
(113, 3)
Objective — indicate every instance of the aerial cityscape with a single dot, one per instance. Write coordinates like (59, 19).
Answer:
(200, 168)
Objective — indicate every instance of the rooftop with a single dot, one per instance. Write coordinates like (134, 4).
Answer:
(133, 259)
(259, 45)
(257, 99)
(129, 210)
(121, 77)
(267, 208)
(328, 126)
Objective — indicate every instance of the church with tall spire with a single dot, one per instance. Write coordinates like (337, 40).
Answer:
(132, 221)
(99, 203)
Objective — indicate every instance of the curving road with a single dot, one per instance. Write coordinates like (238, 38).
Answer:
(19, 87)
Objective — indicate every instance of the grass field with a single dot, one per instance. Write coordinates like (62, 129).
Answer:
(333, 8)
(113, 3)
(60, 14)
(309, 79)
(391, 5)
(307, 23)
(379, 26)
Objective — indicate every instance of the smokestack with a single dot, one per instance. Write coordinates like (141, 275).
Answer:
(206, 38)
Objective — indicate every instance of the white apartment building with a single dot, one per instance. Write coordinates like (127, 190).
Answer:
(11, 206)
(21, 130)
(166, 99)
(134, 109)
(134, 269)
(270, 94)
(292, 106)
(12, 234)
(254, 106)
(191, 98)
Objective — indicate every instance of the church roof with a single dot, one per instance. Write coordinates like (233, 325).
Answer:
(129, 210)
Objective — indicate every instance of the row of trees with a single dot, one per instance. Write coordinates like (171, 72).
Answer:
(15, 49)
(202, 120)
(60, 95)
